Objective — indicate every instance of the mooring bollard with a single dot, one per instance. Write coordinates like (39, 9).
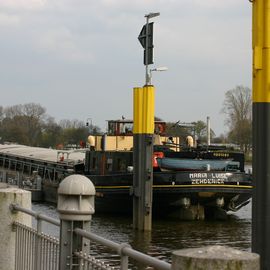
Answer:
(11, 195)
(75, 206)
(214, 258)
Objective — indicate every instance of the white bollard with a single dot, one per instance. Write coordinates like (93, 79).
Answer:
(21, 197)
(214, 258)
(76, 205)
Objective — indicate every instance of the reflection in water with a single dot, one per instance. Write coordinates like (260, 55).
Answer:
(167, 235)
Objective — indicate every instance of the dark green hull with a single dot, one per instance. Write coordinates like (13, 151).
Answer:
(114, 192)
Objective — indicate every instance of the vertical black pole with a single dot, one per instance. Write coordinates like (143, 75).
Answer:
(142, 200)
(261, 131)
(261, 181)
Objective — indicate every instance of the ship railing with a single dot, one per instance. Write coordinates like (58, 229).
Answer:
(36, 250)
(18, 178)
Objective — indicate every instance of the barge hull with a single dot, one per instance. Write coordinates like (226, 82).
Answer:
(171, 191)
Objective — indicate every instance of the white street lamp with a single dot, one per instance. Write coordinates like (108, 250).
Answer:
(152, 15)
(156, 69)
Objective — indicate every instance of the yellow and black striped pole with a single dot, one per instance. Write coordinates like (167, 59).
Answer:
(143, 129)
(261, 131)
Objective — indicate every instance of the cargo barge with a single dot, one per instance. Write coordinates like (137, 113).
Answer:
(195, 190)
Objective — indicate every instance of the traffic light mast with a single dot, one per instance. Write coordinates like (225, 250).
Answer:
(143, 130)
(146, 40)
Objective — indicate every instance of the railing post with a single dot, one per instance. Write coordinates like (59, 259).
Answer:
(38, 249)
(8, 196)
(215, 258)
(123, 258)
(75, 206)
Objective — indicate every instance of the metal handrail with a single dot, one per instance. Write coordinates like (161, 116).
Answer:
(125, 249)
(121, 249)
(38, 216)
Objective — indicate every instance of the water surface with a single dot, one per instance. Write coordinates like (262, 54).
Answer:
(167, 235)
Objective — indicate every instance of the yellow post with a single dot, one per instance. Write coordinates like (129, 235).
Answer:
(143, 129)
(144, 102)
(137, 109)
(261, 52)
(261, 130)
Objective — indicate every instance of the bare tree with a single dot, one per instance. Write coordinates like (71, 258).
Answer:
(30, 125)
(12, 111)
(66, 123)
(34, 110)
(201, 131)
(23, 123)
(51, 133)
(238, 108)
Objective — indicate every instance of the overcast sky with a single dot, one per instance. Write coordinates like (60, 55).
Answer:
(81, 58)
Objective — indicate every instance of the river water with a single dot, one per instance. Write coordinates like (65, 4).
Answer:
(168, 235)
